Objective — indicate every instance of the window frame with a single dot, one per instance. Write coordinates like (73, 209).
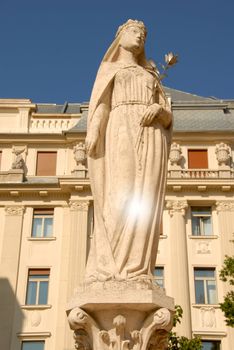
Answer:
(201, 222)
(36, 161)
(205, 280)
(159, 278)
(217, 341)
(37, 272)
(198, 150)
(38, 213)
(32, 341)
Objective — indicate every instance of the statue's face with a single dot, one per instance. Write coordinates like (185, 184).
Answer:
(133, 39)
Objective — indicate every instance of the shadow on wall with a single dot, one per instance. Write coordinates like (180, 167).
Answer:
(10, 314)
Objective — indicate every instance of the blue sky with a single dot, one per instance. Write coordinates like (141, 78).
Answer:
(51, 49)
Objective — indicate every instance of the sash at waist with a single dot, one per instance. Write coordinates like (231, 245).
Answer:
(125, 103)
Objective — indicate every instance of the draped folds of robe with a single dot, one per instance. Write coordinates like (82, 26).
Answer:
(128, 175)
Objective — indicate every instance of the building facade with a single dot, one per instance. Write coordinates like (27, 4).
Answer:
(46, 214)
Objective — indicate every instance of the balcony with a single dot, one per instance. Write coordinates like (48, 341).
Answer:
(200, 174)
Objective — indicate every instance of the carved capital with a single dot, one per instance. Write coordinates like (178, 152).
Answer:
(225, 206)
(177, 206)
(79, 205)
(121, 333)
(14, 209)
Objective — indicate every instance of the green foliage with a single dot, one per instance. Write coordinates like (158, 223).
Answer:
(227, 275)
(182, 343)
(228, 308)
(227, 272)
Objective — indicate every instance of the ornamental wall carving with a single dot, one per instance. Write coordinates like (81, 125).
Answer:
(177, 206)
(79, 205)
(208, 318)
(14, 210)
(203, 247)
(225, 206)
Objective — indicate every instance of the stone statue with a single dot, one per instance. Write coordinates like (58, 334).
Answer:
(129, 133)
(128, 139)
(19, 161)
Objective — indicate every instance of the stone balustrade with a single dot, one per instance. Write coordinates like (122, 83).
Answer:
(51, 124)
(200, 174)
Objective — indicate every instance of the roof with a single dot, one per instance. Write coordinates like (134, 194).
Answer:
(198, 120)
(181, 96)
(66, 108)
(191, 112)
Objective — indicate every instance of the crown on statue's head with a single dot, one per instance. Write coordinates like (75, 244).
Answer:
(132, 23)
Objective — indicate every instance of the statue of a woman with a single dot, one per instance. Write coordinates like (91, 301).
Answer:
(129, 133)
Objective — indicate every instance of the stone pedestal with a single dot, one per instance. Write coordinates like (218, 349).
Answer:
(12, 175)
(121, 316)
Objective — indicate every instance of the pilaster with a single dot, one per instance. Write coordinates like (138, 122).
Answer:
(179, 261)
(9, 265)
(78, 239)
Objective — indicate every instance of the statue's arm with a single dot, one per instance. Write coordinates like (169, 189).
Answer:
(165, 115)
(98, 123)
(159, 110)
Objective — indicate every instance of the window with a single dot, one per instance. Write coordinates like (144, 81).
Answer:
(159, 276)
(42, 222)
(201, 221)
(211, 344)
(33, 345)
(46, 163)
(205, 286)
(37, 288)
(197, 159)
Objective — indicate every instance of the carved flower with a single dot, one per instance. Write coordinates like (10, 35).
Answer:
(171, 59)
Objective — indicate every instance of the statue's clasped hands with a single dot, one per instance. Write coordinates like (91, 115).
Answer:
(150, 114)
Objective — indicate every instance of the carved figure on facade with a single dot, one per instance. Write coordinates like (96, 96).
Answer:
(128, 140)
(223, 154)
(79, 152)
(175, 154)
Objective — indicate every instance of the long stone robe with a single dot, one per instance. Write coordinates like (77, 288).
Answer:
(128, 177)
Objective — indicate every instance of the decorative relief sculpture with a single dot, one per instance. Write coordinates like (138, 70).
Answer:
(153, 332)
(225, 206)
(19, 162)
(208, 317)
(203, 247)
(223, 153)
(80, 158)
(177, 206)
(14, 209)
(175, 154)
(128, 140)
(79, 205)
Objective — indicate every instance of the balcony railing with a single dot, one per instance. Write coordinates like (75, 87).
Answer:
(200, 174)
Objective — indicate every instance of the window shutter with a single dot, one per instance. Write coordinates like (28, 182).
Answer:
(197, 159)
(46, 163)
(44, 272)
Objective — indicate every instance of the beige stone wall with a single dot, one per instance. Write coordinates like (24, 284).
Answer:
(66, 252)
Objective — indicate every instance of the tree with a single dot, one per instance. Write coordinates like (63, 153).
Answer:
(227, 275)
(182, 343)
